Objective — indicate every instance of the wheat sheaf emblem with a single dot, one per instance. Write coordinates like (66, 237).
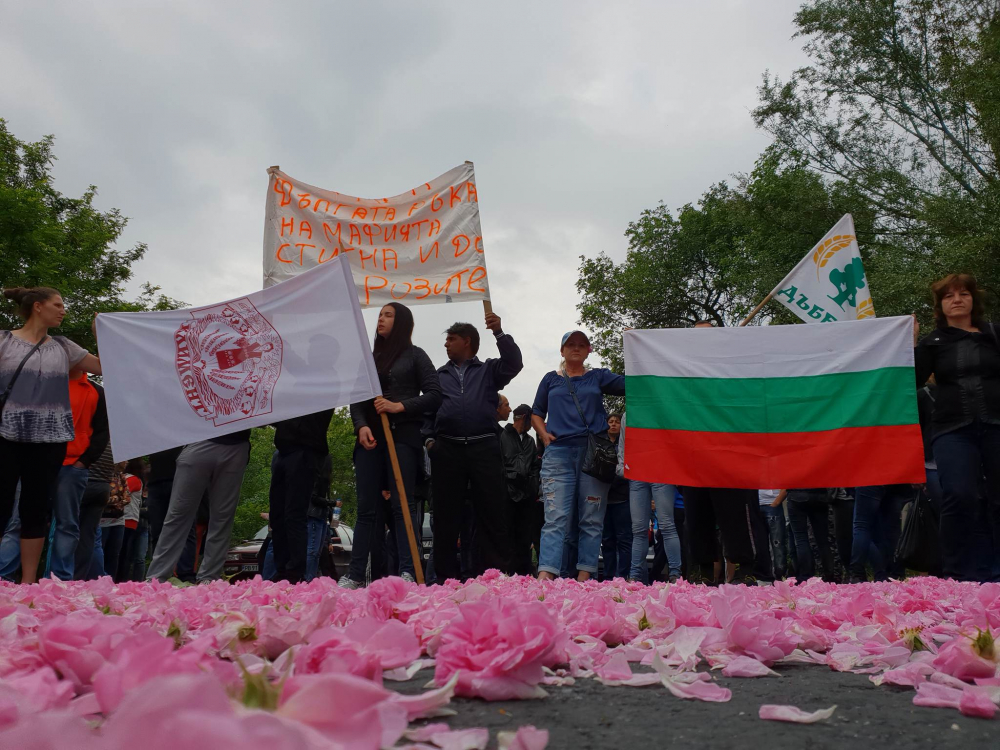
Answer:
(865, 309)
(828, 248)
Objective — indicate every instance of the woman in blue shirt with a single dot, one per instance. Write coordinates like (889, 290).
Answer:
(574, 501)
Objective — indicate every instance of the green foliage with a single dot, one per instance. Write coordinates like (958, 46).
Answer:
(48, 239)
(896, 121)
(716, 260)
(257, 480)
(901, 104)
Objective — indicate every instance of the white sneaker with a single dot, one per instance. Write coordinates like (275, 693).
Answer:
(408, 577)
(347, 583)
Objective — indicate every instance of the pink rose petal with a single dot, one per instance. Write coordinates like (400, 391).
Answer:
(424, 733)
(933, 695)
(977, 701)
(699, 690)
(772, 712)
(525, 738)
(462, 739)
(745, 666)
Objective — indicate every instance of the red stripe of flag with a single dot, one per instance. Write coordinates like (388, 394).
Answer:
(849, 457)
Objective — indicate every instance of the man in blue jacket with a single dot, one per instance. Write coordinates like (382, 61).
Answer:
(465, 449)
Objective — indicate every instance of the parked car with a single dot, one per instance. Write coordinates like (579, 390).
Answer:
(242, 560)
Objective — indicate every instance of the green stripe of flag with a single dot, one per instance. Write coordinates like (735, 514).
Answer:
(871, 398)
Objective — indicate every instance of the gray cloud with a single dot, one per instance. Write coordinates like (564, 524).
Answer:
(578, 115)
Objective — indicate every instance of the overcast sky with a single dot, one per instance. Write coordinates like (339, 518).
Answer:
(578, 115)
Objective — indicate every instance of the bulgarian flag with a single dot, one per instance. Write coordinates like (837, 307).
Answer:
(774, 406)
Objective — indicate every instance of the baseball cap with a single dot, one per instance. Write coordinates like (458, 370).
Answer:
(566, 336)
(521, 410)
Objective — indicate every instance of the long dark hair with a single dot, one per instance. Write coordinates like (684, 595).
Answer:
(387, 350)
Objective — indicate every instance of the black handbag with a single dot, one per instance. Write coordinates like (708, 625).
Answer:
(10, 386)
(601, 461)
(919, 547)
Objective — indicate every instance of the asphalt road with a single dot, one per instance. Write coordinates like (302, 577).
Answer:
(589, 715)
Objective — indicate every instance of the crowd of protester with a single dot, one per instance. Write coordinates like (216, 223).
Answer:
(561, 506)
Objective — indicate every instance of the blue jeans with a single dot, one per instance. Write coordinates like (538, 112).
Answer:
(777, 536)
(70, 485)
(269, 571)
(876, 520)
(616, 541)
(97, 559)
(565, 489)
(970, 547)
(317, 534)
(10, 547)
(641, 497)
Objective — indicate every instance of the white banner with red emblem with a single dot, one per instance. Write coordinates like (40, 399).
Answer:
(422, 246)
(177, 377)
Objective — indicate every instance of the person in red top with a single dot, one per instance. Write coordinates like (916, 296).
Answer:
(90, 430)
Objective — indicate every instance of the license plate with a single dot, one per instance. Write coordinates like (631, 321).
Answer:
(250, 568)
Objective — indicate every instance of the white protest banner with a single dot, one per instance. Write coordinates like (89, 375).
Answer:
(422, 246)
(829, 284)
(181, 376)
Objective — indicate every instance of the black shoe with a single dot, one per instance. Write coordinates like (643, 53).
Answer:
(697, 576)
(747, 579)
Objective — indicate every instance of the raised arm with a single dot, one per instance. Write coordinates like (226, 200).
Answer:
(510, 362)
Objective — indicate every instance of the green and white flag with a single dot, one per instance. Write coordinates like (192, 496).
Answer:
(829, 284)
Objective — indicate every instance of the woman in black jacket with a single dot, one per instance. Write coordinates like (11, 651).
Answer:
(963, 353)
(410, 388)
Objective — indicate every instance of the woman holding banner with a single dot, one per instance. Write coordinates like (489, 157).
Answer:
(568, 408)
(963, 353)
(410, 388)
(36, 421)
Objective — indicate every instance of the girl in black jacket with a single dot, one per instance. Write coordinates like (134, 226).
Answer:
(963, 353)
(410, 388)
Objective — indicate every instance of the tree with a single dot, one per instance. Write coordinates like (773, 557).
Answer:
(674, 273)
(257, 480)
(902, 104)
(716, 260)
(48, 239)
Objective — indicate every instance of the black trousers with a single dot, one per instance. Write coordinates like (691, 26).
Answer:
(293, 475)
(95, 497)
(801, 515)
(843, 528)
(454, 466)
(730, 510)
(373, 471)
(37, 466)
(680, 517)
(158, 503)
(525, 529)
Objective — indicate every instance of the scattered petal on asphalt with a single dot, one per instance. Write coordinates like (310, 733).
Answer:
(772, 712)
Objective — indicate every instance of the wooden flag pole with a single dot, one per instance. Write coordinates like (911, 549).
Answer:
(487, 306)
(757, 309)
(404, 504)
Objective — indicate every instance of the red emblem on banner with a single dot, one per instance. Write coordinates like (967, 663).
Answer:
(228, 361)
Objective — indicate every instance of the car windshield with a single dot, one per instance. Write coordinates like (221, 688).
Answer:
(261, 535)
